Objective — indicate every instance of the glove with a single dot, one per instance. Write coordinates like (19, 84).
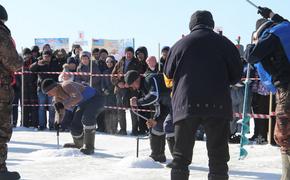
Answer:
(58, 106)
(264, 11)
(56, 125)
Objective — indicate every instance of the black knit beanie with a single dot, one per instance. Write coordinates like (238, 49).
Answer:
(3, 13)
(47, 85)
(201, 17)
(131, 76)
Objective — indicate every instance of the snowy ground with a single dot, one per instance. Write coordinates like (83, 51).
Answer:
(35, 155)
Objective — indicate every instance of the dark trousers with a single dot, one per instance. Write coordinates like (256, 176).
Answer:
(86, 115)
(121, 115)
(260, 105)
(16, 100)
(217, 132)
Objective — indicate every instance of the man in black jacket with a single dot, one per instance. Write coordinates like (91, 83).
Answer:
(270, 48)
(202, 66)
(46, 64)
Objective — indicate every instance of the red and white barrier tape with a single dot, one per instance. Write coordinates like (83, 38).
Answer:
(107, 107)
(70, 73)
(258, 116)
(73, 73)
(238, 115)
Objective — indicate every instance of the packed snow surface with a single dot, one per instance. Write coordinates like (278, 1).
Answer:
(36, 156)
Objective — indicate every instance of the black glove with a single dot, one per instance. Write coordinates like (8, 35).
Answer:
(56, 125)
(58, 106)
(264, 11)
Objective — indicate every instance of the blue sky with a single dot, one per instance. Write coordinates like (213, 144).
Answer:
(148, 21)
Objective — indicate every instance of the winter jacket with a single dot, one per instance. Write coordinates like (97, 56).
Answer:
(85, 79)
(202, 66)
(53, 66)
(119, 69)
(270, 53)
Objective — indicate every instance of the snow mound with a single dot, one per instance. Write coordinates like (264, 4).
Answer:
(141, 162)
(48, 153)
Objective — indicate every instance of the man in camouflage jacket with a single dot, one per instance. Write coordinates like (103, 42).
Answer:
(9, 63)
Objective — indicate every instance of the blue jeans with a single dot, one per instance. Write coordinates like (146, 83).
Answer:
(45, 99)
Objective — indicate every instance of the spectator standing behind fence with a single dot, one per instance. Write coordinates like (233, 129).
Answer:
(10, 62)
(46, 64)
(96, 54)
(237, 96)
(85, 66)
(72, 64)
(270, 49)
(76, 50)
(260, 105)
(202, 66)
(16, 85)
(101, 63)
(60, 56)
(111, 119)
(30, 113)
(35, 52)
(164, 54)
(122, 91)
(141, 54)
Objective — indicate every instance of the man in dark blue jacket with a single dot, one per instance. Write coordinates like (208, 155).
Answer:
(271, 50)
(155, 94)
(202, 66)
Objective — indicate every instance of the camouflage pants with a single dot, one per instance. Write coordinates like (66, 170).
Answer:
(6, 96)
(283, 111)
(5, 132)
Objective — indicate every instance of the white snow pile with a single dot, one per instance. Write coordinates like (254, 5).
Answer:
(141, 162)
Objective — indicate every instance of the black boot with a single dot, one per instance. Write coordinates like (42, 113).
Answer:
(157, 144)
(178, 174)
(7, 175)
(78, 142)
(89, 141)
(217, 177)
(170, 142)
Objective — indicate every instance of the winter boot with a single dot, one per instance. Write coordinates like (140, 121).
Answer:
(7, 175)
(157, 144)
(217, 177)
(170, 142)
(89, 142)
(178, 174)
(78, 142)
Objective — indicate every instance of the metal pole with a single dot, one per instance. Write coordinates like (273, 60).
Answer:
(57, 136)
(137, 150)
(250, 2)
(22, 95)
(159, 62)
(270, 119)
(91, 72)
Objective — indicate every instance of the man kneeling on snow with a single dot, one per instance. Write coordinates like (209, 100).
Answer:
(86, 104)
